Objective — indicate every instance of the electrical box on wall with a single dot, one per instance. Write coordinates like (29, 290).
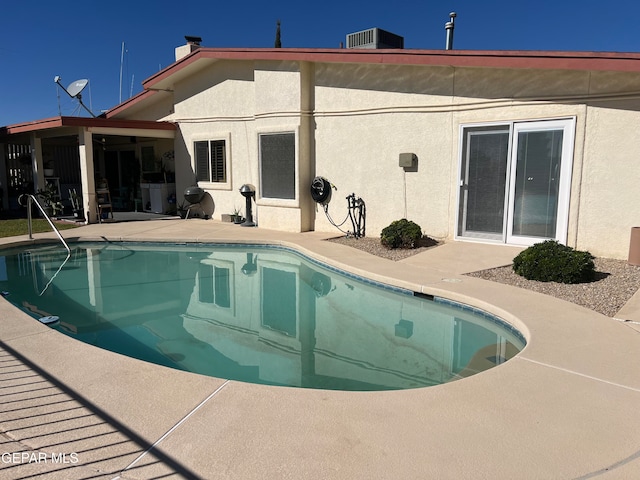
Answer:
(408, 160)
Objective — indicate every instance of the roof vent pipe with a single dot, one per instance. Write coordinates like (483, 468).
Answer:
(449, 28)
(191, 40)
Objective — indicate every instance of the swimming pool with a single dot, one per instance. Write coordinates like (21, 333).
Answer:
(253, 313)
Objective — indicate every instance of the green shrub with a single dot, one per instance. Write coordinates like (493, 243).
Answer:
(550, 261)
(401, 234)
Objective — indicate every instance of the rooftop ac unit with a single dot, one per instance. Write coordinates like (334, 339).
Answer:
(374, 38)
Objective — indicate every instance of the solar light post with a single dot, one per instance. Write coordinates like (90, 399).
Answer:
(248, 191)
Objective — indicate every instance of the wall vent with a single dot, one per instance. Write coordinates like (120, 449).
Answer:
(374, 38)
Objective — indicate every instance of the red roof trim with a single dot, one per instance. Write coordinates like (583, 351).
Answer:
(611, 61)
(129, 102)
(57, 122)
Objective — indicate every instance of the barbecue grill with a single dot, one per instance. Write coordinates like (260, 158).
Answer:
(194, 196)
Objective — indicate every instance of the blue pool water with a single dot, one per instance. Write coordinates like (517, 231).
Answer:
(253, 313)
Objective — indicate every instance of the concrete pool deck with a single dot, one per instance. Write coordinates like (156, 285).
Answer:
(564, 408)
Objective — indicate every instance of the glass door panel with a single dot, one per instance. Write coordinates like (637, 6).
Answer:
(483, 182)
(536, 187)
(540, 181)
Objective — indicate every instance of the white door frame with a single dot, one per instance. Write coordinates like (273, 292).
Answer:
(564, 188)
(567, 125)
(464, 181)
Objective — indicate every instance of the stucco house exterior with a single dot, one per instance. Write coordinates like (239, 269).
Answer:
(496, 146)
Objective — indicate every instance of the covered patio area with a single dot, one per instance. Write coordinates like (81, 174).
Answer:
(74, 154)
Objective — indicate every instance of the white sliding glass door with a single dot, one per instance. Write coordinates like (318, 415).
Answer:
(515, 181)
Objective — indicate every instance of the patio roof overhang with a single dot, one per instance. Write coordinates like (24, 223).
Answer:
(78, 131)
(60, 126)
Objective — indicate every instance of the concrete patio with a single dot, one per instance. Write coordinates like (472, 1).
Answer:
(564, 408)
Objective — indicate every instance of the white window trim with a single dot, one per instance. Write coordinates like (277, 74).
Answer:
(226, 136)
(279, 202)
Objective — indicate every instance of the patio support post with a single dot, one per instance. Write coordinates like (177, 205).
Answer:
(36, 158)
(4, 180)
(85, 150)
(306, 145)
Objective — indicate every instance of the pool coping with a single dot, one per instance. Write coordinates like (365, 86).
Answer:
(563, 408)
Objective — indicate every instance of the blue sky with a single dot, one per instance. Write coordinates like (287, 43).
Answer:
(42, 39)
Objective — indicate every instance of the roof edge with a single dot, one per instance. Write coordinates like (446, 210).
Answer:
(519, 59)
(56, 122)
(112, 112)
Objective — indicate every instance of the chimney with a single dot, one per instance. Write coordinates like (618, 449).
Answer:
(449, 28)
(193, 43)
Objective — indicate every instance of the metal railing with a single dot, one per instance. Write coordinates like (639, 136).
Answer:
(30, 200)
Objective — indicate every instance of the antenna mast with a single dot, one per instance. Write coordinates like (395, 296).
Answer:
(121, 62)
(58, 95)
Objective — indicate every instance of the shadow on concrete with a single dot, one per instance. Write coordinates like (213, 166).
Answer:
(57, 433)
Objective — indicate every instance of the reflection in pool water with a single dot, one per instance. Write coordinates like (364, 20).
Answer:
(255, 314)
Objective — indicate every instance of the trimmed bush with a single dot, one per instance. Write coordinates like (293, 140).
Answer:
(401, 234)
(549, 261)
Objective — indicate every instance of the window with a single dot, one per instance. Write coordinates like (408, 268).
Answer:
(278, 165)
(211, 161)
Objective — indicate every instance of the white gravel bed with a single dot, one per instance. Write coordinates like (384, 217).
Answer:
(373, 246)
(616, 281)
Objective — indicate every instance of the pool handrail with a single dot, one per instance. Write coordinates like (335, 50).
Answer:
(30, 199)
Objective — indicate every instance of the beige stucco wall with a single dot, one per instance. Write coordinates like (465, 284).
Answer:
(362, 131)
(238, 101)
(159, 109)
(217, 104)
(353, 121)
(366, 115)
(610, 195)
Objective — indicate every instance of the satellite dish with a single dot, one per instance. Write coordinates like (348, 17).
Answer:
(73, 90)
(76, 87)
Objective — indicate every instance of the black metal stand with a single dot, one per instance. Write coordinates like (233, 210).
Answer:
(248, 192)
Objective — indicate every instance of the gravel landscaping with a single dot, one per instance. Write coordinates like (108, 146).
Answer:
(373, 246)
(616, 281)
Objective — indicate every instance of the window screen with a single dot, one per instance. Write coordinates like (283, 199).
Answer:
(278, 165)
